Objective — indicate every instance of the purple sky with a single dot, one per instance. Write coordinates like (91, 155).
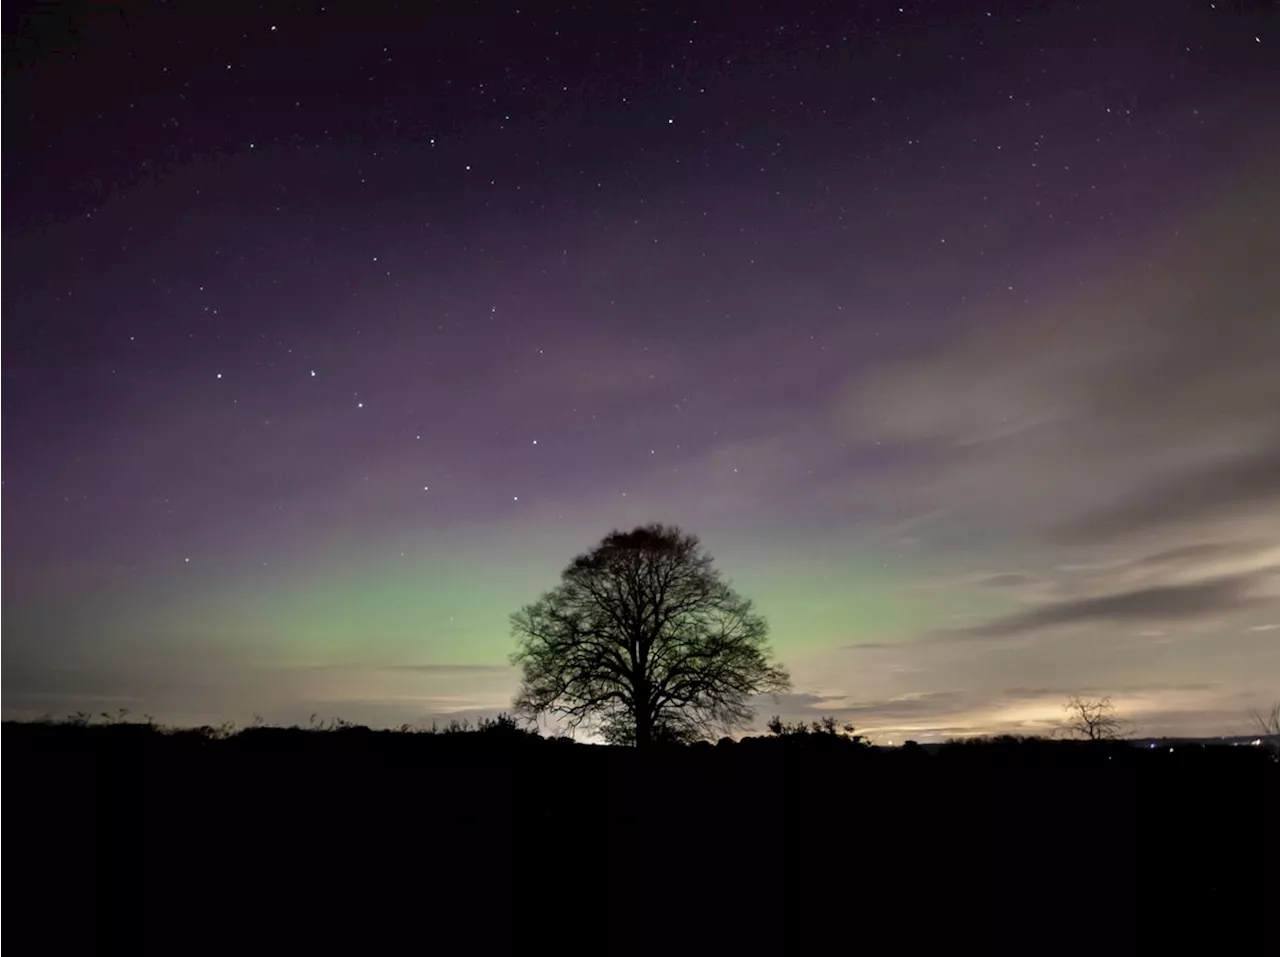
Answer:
(332, 335)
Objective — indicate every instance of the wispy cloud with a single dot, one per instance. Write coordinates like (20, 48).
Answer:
(1005, 580)
(1237, 483)
(1159, 603)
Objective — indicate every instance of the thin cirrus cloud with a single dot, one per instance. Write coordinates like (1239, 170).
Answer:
(1006, 580)
(1237, 484)
(1154, 604)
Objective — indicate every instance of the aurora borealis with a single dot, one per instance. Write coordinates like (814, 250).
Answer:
(331, 336)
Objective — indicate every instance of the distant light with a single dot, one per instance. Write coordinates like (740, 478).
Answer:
(218, 375)
(359, 405)
(515, 498)
(313, 373)
(535, 441)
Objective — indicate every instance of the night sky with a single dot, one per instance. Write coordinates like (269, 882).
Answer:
(331, 335)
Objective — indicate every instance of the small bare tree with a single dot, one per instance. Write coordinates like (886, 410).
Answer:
(1093, 719)
(1269, 725)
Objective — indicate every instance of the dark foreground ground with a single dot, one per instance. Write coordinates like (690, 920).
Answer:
(125, 839)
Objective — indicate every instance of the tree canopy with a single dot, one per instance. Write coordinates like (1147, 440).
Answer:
(1093, 719)
(644, 641)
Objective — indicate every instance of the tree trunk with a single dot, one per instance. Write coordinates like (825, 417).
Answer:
(644, 731)
(644, 720)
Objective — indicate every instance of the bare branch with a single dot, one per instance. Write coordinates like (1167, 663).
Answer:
(1269, 725)
(1093, 719)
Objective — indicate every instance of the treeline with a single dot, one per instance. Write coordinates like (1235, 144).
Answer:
(503, 731)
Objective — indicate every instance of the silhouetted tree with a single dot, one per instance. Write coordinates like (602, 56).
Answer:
(645, 642)
(1269, 725)
(1093, 719)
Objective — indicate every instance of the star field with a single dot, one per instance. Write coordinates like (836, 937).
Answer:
(335, 332)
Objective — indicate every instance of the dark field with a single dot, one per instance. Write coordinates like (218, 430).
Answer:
(126, 839)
